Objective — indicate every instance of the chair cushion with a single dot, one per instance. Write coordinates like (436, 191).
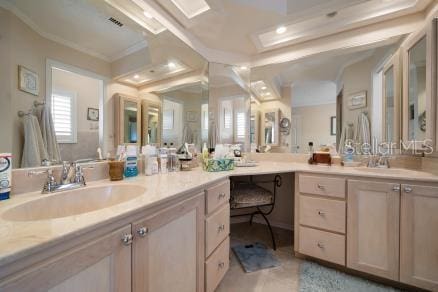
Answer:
(250, 195)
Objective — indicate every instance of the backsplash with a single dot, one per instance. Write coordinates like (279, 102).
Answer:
(23, 183)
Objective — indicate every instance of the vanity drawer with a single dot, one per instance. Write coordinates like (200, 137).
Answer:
(217, 228)
(217, 265)
(322, 245)
(321, 185)
(322, 213)
(217, 196)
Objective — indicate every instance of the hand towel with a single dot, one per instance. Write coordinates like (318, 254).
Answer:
(49, 135)
(34, 150)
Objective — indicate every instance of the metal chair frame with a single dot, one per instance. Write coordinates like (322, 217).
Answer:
(276, 183)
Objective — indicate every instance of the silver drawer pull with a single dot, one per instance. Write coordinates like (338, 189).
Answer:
(408, 189)
(321, 213)
(221, 228)
(142, 231)
(127, 239)
(320, 245)
(396, 188)
(321, 187)
(221, 196)
(221, 265)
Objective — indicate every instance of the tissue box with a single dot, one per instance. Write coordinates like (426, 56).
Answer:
(214, 165)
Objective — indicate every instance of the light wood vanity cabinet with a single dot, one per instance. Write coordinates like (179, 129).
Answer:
(382, 227)
(320, 215)
(419, 236)
(168, 250)
(163, 251)
(217, 231)
(373, 227)
(103, 264)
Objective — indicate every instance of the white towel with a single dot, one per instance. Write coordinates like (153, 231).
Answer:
(34, 150)
(347, 134)
(362, 135)
(49, 135)
(187, 134)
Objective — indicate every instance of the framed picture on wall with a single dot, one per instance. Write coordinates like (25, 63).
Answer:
(357, 100)
(333, 126)
(192, 116)
(28, 81)
(93, 114)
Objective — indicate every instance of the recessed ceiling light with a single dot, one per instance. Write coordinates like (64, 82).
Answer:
(264, 87)
(171, 65)
(281, 29)
(136, 76)
(147, 14)
(243, 67)
(191, 8)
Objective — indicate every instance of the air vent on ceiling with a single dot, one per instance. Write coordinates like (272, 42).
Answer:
(115, 21)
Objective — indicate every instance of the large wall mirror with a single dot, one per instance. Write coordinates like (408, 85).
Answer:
(329, 99)
(229, 105)
(64, 66)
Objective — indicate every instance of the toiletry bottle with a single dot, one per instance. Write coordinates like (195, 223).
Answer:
(204, 153)
(163, 160)
(131, 168)
(5, 175)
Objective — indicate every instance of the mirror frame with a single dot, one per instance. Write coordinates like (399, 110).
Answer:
(119, 116)
(395, 63)
(276, 141)
(430, 116)
(145, 105)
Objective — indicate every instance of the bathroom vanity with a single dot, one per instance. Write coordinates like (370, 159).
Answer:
(175, 234)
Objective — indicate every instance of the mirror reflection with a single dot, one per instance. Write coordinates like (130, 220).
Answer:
(320, 103)
(417, 91)
(69, 64)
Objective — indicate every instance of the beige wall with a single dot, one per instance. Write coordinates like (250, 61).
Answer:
(315, 125)
(21, 45)
(358, 77)
(5, 84)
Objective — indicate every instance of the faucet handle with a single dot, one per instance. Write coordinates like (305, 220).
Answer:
(79, 178)
(50, 183)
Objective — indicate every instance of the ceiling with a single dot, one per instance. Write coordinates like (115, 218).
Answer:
(85, 25)
(250, 28)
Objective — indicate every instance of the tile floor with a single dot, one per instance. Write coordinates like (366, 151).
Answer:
(278, 279)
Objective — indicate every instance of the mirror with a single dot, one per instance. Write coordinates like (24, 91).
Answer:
(69, 62)
(271, 126)
(415, 98)
(151, 128)
(328, 99)
(229, 105)
(391, 100)
(185, 115)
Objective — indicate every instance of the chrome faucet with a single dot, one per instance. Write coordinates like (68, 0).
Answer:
(72, 177)
(378, 161)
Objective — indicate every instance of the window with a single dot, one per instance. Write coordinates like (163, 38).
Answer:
(64, 113)
(168, 119)
(240, 126)
(204, 111)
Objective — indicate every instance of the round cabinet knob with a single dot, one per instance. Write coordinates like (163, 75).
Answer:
(127, 239)
(221, 228)
(320, 245)
(396, 188)
(221, 196)
(408, 189)
(321, 187)
(142, 231)
(221, 265)
(321, 213)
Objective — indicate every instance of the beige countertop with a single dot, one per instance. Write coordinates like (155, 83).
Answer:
(22, 238)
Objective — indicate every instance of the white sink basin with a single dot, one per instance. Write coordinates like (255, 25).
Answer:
(73, 202)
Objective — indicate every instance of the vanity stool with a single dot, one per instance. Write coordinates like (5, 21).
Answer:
(246, 195)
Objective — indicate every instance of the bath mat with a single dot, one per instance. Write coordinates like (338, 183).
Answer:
(255, 256)
(316, 278)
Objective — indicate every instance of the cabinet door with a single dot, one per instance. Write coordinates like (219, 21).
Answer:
(169, 248)
(373, 228)
(419, 237)
(99, 266)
